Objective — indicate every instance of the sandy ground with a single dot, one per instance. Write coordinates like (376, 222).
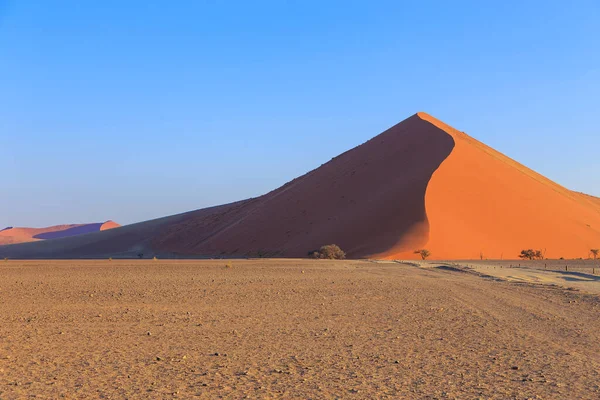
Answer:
(289, 329)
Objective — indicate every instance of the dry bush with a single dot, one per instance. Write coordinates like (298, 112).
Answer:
(424, 253)
(330, 252)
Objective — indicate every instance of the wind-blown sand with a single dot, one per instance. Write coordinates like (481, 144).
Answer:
(289, 329)
(420, 184)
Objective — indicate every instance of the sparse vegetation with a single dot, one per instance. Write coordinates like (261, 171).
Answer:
(330, 251)
(531, 254)
(229, 265)
(595, 253)
(140, 255)
(424, 253)
(539, 255)
(261, 254)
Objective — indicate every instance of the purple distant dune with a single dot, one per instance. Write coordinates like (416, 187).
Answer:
(77, 230)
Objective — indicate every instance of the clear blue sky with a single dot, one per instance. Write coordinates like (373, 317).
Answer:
(130, 110)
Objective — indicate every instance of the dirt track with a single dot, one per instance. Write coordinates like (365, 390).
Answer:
(144, 329)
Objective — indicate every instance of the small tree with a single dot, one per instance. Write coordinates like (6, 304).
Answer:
(595, 253)
(331, 252)
(424, 253)
(539, 255)
(527, 254)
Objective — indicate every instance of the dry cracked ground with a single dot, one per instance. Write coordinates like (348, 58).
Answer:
(289, 329)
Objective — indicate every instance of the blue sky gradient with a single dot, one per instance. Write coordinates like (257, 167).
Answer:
(131, 110)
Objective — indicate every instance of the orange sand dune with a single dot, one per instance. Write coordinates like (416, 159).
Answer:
(420, 184)
(21, 235)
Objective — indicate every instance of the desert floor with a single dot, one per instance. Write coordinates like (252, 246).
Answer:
(290, 329)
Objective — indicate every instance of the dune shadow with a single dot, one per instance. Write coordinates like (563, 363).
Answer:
(76, 230)
(451, 269)
(579, 277)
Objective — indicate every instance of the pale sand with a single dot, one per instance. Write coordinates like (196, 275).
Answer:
(585, 281)
(289, 329)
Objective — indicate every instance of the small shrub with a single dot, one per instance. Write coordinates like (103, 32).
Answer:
(155, 259)
(229, 265)
(330, 252)
(109, 258)
(140, 255)
(424, 253)
(595, 253)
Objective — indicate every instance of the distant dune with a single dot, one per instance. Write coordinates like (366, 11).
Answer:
(420, 184)
(12, 235)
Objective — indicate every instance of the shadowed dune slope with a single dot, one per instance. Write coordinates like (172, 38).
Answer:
(420, 184)
(368, 200)
(21, 235)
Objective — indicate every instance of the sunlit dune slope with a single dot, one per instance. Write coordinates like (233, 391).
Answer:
(482, 203)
